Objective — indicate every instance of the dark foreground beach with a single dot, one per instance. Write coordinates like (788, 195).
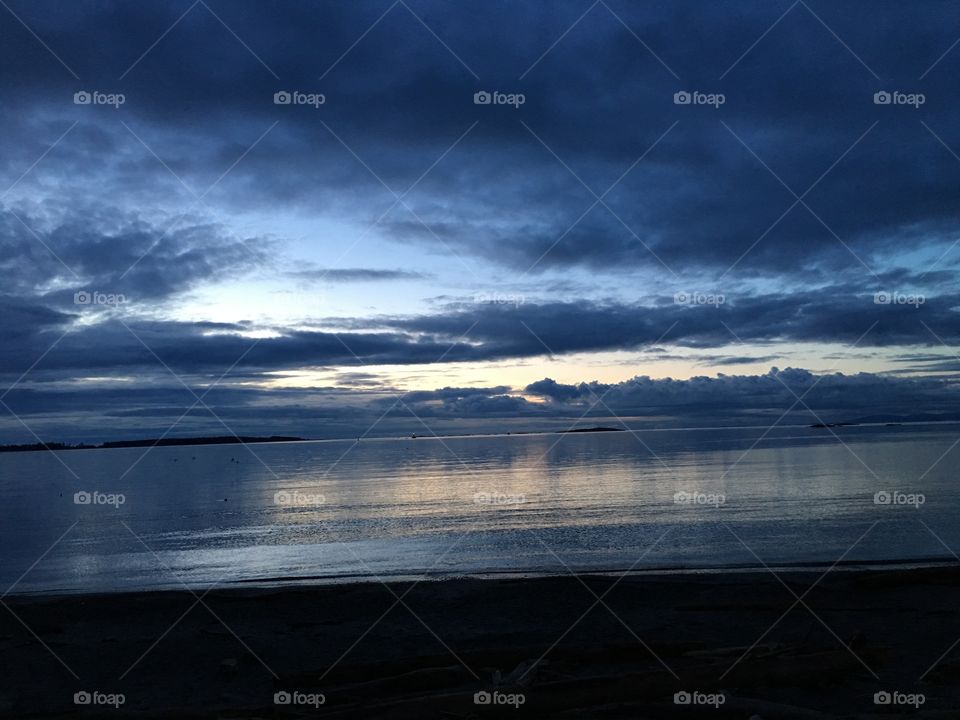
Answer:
(541, 647)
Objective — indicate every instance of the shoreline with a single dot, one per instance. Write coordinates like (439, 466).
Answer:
(311, 582)
(413, 650)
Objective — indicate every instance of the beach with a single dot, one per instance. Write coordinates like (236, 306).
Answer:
(734, 644)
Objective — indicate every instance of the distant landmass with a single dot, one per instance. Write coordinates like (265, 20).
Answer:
(890, 419)
(217, 440)
(910, 418)
(160, 442)
(593, 429)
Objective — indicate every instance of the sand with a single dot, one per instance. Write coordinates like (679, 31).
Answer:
(545, 646)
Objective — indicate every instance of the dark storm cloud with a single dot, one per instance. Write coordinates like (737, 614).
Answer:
(95, 250)
(169, 400)
(736, 359)
(346, 275)
(946, 362)
(801, 100)
(775, 392)
(483, 332)
(828, 315)
(359, 380)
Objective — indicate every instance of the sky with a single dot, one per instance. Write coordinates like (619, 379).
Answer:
(332, 219)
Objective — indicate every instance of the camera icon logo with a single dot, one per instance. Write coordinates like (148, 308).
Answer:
(82, 298)
(682, 98)
(882, 97)
(82, 498)
(882, 498)
(882, 698)
(282, 698)
(482, 98)
(482, 698)
(681, 298)
(82, 98)
(682, 698)
(82, 698)
(282, 98)
(881, 298)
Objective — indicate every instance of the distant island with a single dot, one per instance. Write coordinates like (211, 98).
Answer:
(153, 442)
(593, 429)
(892, 420)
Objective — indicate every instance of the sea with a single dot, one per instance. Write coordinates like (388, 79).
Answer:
(432, 508)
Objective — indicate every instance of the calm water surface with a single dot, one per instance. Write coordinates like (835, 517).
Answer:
(329, 511)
